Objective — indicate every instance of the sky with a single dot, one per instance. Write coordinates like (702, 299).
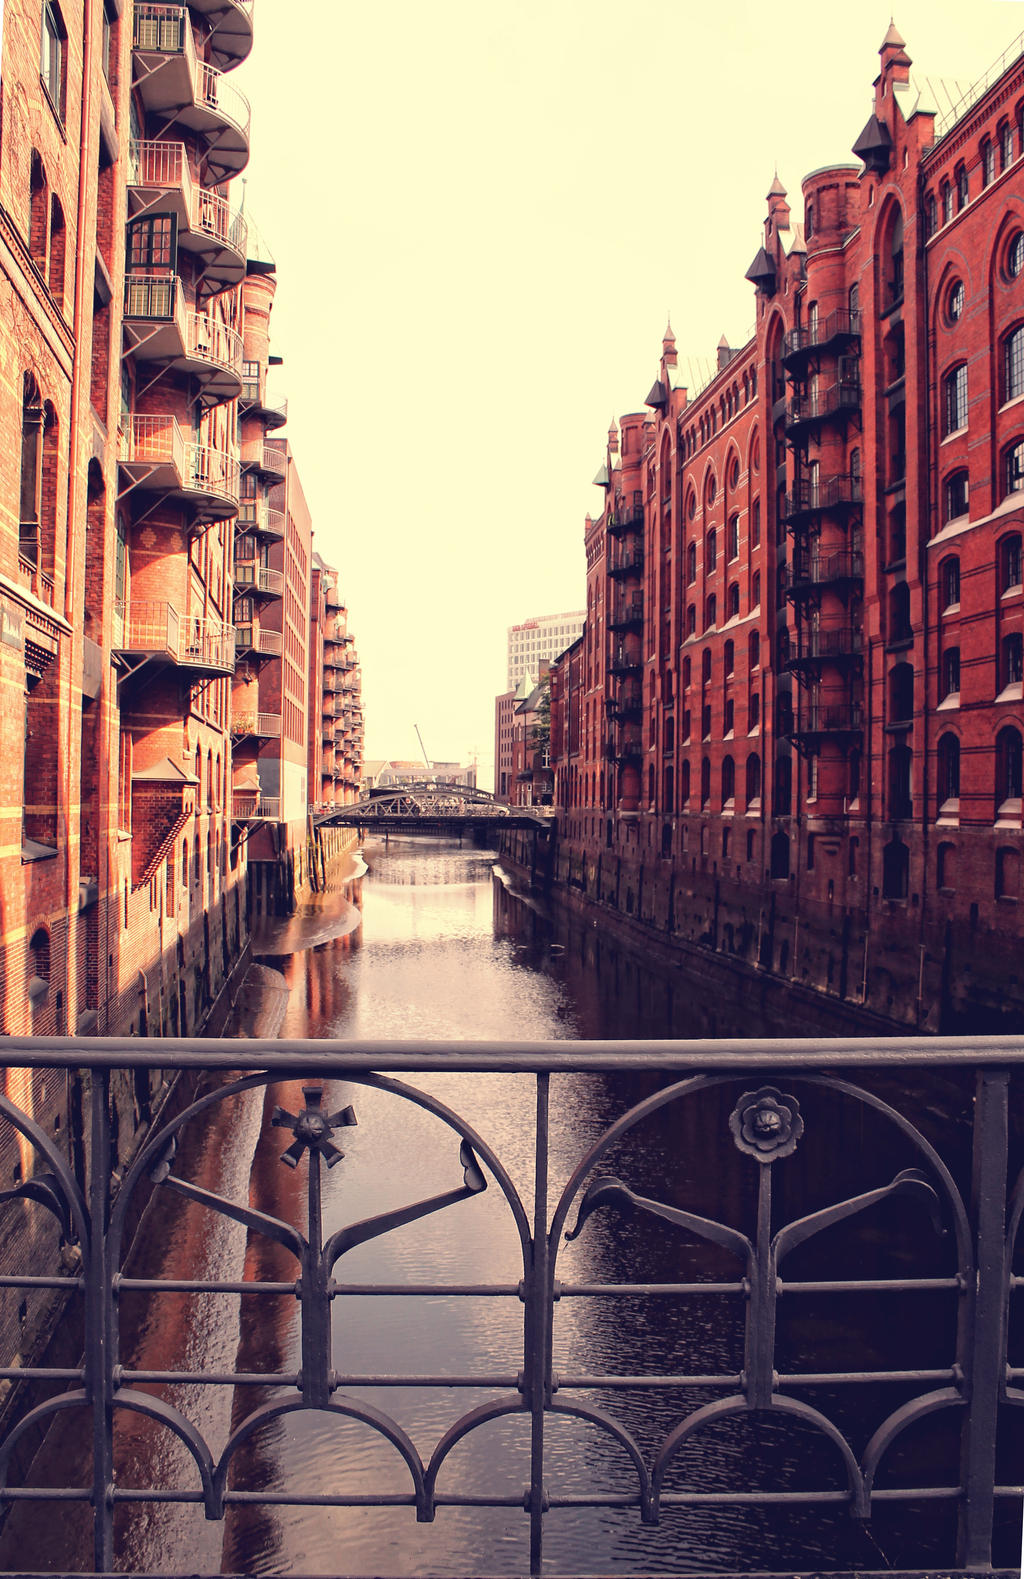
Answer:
(483, 212)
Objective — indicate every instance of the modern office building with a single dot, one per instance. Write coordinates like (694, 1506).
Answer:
(537, 641)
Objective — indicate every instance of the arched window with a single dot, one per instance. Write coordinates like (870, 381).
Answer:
(1013, 468)
(705, 665)
(753, 649)
(894, 260)
(1005, 135)
(691, 619)
(945, 867)
(684, 782)
(733, 533)
(1008, 770)
(729, 656)
(753, 781)
(1011, 660)
(728, 783)
(30, 508)
(1013, 363)
(895, 870)
(960, 176)
(780, 855)
(782, 790)
(1007, 872)
(900, 783)
(732, 607)
(954, 399)
(1010, 563)
(705, 781)
(988, 162)
(956, 496)
(710, 612)
(691, 564)
(949, 678)
(901, 693)
(710, 551)
(931, 212)
(948, 755)
(687, 672)
(38, 212)
(55, 264)
(949, 583)
(946, 195)
(900, 628)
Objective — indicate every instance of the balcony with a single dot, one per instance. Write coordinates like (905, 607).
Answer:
(257, 580)
(253, 806)
(628, 704)
(808, 572)
(804, 413)
(160, 327)
(255, 516)
(231, 29)
(624, 662)
(628, 563)
(835, 496)
(836, 645)
(254, 642)
(176, 87)
(256, 401)
(259, 726)
(270, 465)
(824, 719)
(833, 332)
(156, 457)
(154, 632)
(159, 177)
(630, 519)
(627, 615)
(625, 746)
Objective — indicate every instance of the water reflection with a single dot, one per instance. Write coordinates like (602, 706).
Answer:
(427, 944)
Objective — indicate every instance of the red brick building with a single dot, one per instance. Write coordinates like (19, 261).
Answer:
(793, 730)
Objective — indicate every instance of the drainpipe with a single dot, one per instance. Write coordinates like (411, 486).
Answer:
(72, 871)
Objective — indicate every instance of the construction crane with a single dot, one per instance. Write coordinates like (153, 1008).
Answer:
(423, 748)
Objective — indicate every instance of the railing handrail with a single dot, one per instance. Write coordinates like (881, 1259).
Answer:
(213, 89)
(536, 1056)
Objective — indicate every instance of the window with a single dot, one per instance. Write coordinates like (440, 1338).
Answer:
(733, 601)
(754, 710)
(1013, 468)
(1011, 659)
(710, 612)
(728, 782)
(705, 780)
(895, 870)
(687, 671)
(1010, 563)
(949, 771)
(151, 243)
(729, 656)
(705, 665)
(691, 564)
(755, 524)
(53, 56)
(753, 781)
(691, 619)
(705, 721)
(1005, 145)
(1015, 255)
(956, 496)
(954, 387)
(729, 717)
(900, 801)
(988, 162)
(949, 679)
(1013, 364)
(955, 301)
(947, 202)
(753, 650)
(1008, 768)
(949, 583)
(733, 537)
(710, 551)
(1007, 873)
(931, 211)
(961, 186)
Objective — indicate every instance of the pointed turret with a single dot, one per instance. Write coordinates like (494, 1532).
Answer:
(668, 346)
(778, 208)
(613, 439)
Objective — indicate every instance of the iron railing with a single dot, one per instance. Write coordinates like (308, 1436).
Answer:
(825, 1154)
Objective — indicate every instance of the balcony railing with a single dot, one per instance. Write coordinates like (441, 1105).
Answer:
(833, 494)
(255, 515)
(186, 90)
(833, 718)
(819, 406)
(174, 464)
(622, 661)
(203, 216)
(157, 629)
(809, 571)
(260, 457)
(253, 639)
(829, 645)
(630, 563)
(627, 615)
(258, 578)
(830, 330)
(877, 1181)
(267, 726)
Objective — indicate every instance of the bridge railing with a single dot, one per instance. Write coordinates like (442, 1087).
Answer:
(782, 1205)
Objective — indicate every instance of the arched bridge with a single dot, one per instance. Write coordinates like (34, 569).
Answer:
(435, 806)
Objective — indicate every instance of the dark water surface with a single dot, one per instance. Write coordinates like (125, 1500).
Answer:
(438, 947)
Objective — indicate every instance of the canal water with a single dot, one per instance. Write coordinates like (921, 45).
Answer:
(430, 940)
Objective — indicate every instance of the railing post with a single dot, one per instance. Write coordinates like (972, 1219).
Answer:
(538, 1328)
(985, 1355)
(99, 1357)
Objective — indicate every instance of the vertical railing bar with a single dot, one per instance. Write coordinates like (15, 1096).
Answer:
(539, 1328)
(986, 1344)
(99, 1324)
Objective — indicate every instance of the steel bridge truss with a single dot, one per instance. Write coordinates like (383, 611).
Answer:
(429, 800)
(798, 1209)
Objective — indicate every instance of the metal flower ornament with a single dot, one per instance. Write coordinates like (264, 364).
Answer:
(766, 1124)
(312, 1128)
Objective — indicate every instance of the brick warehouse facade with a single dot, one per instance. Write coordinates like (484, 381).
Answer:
(144, 494)
(792, 732)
